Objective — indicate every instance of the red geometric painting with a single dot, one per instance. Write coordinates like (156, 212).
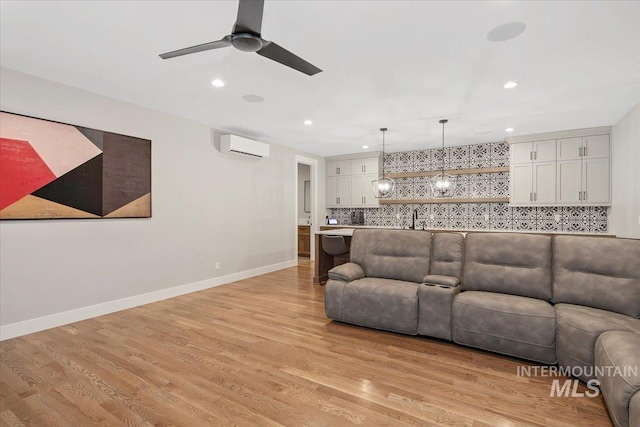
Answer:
(54, 170)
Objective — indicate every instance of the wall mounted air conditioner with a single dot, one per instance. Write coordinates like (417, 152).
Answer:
(238, 144)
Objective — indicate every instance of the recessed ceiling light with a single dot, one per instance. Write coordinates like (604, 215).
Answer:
(505, 32)
(364, 147)
(217, 83)
(509, 130)
(510, 85)
(308, 122)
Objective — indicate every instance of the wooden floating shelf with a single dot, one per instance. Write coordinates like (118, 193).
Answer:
(443, 200)
(449, 171)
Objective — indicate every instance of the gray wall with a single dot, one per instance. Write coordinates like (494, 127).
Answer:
(207, 206)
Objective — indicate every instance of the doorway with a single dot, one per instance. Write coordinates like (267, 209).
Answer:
(306, 199)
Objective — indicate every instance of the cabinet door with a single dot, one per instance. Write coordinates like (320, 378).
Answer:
(521, 188)
(339, 168)
(357, 196)
(362, 191)
(544, 151)
(521, 152)
(332, 168)
(544, 179)
(307, 244)
(367, 190)
(365, 166)
(595, 146)
(344, 167)
(569, 148)
(344, 190)
(569, 182)
(595, 180)
(332, 191)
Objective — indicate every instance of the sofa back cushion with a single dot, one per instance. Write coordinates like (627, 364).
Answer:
(392, 254)
(447, 254)
(508, 263)
(598, 272)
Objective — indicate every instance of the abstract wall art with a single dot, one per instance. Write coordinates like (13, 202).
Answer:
(51, 170)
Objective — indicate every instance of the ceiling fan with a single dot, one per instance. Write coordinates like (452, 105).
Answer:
(246, 37)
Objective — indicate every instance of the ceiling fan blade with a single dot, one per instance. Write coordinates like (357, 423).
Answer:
(249, 17)
(279, 54)
(226, 41)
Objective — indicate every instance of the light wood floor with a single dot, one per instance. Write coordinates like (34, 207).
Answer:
(261, 352)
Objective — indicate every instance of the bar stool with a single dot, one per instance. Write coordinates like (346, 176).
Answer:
(334, 246)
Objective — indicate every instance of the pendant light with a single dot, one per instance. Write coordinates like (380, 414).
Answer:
(383, 186)
(443, 184)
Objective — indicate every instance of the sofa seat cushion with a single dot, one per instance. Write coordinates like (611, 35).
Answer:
(617, 360)
(508, 324)
(387, 304)
(578, 329)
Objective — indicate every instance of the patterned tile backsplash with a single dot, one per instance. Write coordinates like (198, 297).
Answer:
(483, 216)
(475, 216)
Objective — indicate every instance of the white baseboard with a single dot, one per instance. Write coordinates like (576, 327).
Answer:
(30, 326)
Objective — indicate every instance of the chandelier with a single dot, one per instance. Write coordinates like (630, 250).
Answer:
(443, 184)
(383, 186)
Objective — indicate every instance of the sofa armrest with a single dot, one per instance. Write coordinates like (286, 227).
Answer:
(346, 272)
(435, 279)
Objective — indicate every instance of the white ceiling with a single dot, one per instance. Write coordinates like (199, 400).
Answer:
(399, 64)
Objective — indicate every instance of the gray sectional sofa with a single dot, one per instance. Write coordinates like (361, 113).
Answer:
(567, 300)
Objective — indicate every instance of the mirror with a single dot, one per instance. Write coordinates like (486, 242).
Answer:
(307, 196)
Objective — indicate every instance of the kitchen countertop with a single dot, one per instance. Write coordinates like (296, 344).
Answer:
(337, 232)
(347, 230)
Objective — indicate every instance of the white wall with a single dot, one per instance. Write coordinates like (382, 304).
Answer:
(207, 206)
(625, 175)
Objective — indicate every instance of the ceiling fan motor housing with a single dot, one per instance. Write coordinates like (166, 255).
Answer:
(246, 42)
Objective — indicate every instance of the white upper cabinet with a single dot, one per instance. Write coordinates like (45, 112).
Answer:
(569, 148)
(365, 166)
(537, 151)
(349, 182)
(521, 183)
(362, 190)
(583, 171)
(596, 146)
(570, 168)
(544, 151)
(569, 183)
(339, 168)
(338, 191)
(533, 173)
